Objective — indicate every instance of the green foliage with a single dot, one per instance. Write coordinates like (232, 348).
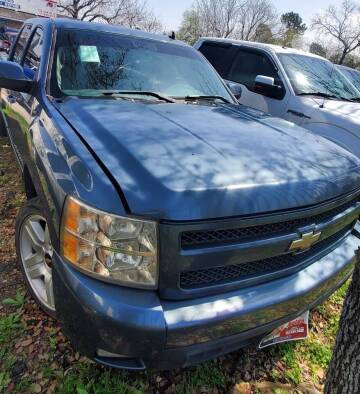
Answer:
(264, 34)
(4, 179)
(190, 29)
(289, 352)
(9, 326)
(206, 375)
(18, 301)
(53, 342)
(339, 296)
(318, 49)
(294, 27)
(4, 381)
(320, 354)
(87, 378)
(293, 21)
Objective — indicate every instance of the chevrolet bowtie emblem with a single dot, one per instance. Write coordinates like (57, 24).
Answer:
(305, 242)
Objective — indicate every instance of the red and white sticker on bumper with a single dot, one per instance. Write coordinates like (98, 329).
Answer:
(292, 331)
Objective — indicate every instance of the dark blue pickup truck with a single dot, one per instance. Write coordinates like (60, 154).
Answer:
(165, 224)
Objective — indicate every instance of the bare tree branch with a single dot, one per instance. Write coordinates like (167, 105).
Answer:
(239, 19)
(129, 13)
(341, 24)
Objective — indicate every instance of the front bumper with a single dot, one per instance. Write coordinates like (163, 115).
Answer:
(135, 329)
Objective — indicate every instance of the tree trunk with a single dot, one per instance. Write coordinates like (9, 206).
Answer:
(344, 370)
(343, 56)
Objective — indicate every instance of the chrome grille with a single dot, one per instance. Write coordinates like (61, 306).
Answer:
(233, 235)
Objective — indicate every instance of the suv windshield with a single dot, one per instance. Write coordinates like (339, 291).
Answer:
(88, 63)
(311, 75)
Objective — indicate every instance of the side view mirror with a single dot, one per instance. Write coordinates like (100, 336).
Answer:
(266, 86)
(12, 77)
(235, 88)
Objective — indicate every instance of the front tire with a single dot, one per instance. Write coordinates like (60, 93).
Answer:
(34, 251)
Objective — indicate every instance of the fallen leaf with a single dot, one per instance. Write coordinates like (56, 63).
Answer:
(35, 388)
(27, 342)
(242, 388)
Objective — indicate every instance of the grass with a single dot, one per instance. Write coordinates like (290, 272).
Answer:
(10, 325)
(208, 376)
(90, 379)
(84, 379)
(11, 328)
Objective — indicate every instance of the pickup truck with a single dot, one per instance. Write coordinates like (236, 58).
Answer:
(165, 224)
(294, 85)
(352, 75)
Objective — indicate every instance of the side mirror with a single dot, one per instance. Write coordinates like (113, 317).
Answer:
(266, 86)
(235, 88)
(12, 77)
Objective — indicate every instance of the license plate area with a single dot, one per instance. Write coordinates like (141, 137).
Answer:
(293, 330)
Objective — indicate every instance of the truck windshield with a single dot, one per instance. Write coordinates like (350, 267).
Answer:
(311, 75)
(352, 75)
(88, 63)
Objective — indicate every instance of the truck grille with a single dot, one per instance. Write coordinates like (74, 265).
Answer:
(222, 236)
(205, 258)
(230, 273)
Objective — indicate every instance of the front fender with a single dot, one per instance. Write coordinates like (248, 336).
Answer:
(346, 137)
(61, 165)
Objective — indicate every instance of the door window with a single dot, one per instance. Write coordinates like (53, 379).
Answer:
(33, 54)
(247, 65)
(21, 43)
(220, 56)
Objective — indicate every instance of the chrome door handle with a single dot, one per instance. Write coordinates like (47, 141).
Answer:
(11, 99)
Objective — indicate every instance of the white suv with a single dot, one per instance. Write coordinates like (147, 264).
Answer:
(298, 86)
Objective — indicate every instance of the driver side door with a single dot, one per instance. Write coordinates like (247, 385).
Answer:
(246, 66)
(18, 106)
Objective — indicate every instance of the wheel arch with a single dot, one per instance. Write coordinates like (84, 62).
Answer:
(29, 185)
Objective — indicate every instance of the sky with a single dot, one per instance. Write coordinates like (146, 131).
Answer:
(170, 11)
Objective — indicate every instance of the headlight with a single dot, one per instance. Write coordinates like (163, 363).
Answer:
(113, 248)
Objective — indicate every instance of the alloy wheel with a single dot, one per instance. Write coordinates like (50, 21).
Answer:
(36, 254)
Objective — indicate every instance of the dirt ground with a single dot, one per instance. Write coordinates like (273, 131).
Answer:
(35, 357)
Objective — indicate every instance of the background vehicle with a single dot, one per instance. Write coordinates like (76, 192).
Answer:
(4, 45)
(294, 85)
(165, 223)
(352, 74)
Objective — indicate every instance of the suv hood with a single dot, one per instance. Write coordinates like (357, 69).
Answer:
(193, 162)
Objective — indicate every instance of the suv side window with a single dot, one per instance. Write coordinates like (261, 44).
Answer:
(219, 55)
(21, 43)
(247, 65)
(33, 54)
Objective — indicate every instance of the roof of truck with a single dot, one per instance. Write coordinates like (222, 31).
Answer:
(260, 45)
(67, 23)
(341, 66)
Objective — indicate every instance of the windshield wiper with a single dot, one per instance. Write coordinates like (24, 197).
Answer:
(326, 95)
(355, 99)
(319, 94)
(193, 98)
(138, 93)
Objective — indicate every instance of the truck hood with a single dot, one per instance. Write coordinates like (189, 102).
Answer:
(343, 110)
(193, 162)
